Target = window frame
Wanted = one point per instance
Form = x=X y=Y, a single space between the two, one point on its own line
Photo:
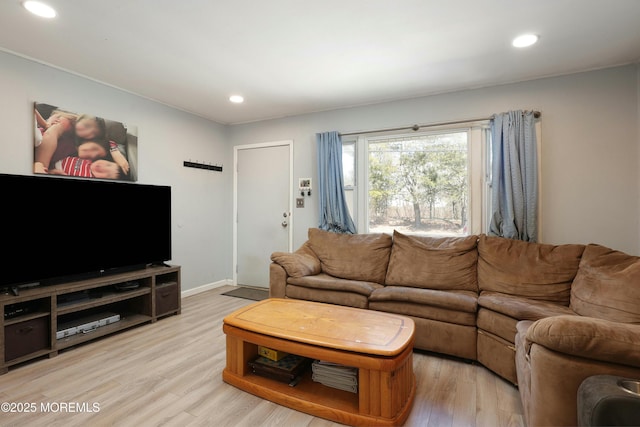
x=478 y=166
x=350 y=191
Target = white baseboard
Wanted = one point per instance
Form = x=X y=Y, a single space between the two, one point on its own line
x=206 y=287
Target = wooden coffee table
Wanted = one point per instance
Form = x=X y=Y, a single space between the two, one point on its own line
x=379 y=344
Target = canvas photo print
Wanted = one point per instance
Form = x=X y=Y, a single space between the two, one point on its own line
x=83 y=145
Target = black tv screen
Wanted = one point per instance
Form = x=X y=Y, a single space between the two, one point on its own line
x=59 y=228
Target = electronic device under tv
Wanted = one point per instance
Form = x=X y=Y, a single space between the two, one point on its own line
x=59 y=229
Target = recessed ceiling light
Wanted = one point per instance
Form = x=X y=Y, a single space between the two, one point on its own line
x=40 y=9
x=236 y=99
x=525 y=40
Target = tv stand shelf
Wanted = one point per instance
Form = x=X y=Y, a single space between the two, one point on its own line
x=105 y=299
x=31 y=320
x=30 y=316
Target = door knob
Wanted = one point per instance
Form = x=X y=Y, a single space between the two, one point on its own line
x=284 y=223
x=284 y=214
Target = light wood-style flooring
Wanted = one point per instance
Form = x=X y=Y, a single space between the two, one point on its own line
x=169 y=374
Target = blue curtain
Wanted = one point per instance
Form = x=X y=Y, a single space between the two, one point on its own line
x=514 y=176
x=334 y=214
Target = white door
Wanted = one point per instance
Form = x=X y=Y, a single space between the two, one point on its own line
x=263 y=185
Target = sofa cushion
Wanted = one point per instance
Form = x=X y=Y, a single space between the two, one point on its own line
x=520 y=308
x=328 y=296
x=434 y=263
x=425 y=312
x=607 y=285
x=498 y=324
x=453 y=300
x=532 y=270
x=352 y=256
x=300 y=263
x=324 y=281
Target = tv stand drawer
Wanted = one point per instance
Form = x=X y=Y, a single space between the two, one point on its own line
x=26 y=337
x=167 y=298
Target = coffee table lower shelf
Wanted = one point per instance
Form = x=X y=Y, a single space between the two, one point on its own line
x=307 y=396
x=385 y=397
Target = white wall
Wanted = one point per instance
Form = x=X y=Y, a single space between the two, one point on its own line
x=590 y=158
x=590 y=153
x=201 y=200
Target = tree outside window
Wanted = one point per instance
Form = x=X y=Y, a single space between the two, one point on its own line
x=419 y=184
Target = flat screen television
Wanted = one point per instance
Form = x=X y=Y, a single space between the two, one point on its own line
x=61 y=228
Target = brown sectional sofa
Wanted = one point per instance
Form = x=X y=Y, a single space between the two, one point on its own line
x=544 y=317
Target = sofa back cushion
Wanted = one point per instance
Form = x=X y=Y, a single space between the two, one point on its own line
x=607 y=285
x=352 y=256
x=433 y=263
x=531 y=270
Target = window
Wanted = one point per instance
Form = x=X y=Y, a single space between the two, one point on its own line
x=427 y=183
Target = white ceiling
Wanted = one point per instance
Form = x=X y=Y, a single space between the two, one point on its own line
x=290 y=57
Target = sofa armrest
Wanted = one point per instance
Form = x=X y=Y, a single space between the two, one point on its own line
x=277 y=281
x=587 y=337
x=300 y=263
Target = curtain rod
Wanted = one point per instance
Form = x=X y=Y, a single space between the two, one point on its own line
x=415 y=128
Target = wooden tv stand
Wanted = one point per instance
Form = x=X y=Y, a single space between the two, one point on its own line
x=31 y=320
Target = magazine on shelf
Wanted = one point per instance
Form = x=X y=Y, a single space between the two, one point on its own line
x=335 y=375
